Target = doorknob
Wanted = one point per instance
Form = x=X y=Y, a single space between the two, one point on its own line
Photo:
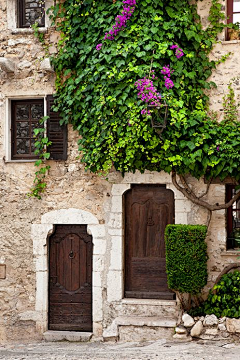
x=71 y=255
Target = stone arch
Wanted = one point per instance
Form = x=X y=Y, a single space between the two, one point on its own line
x=40 y=236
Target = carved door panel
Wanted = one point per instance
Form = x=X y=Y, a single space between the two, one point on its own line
x=148 y=209
x=70 y=279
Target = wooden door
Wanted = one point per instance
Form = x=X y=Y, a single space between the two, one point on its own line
x=148 y=209
x=70 y=279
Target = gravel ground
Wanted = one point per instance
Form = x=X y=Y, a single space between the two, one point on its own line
x=161 y=349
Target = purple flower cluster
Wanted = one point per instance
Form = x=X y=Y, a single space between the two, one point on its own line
x=145 y=112
x=178 y=52
x=147 y=91
x=167 y=72
x=121 y=21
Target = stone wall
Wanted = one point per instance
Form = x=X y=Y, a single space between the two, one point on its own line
x=70 y=187
x=207 y=327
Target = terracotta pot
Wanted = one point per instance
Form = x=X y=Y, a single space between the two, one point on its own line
x=233 y=34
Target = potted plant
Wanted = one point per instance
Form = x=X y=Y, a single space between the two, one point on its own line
x=234 y=32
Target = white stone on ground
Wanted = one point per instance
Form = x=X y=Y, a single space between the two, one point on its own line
x=197 y=329
x=210 y=320
x=187 y=320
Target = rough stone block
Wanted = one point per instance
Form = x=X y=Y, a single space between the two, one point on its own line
x=221 y=327
x=98 y=262
x=116 y=253
x=119 y=189
x=97 y=304
x=115 y=221
x=97 y=279
x=114 y=285
x=180 y=330
x=181 y=218
x=183 y=206
x=117 y=204
x=211 y=331
x=187 y=320
x=97 y=231
x=46 y=65
x=233 y=325
x=99 y=247
x=197 y=329
x=182 y=337
x=210 y=320
x=7 y=65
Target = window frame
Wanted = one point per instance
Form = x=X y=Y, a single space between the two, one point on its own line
x=57 y=135
x=231 y=243
x=21 y=15
x=14 y=155
x=230 y=14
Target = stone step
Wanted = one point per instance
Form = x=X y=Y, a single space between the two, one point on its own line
x=145 y=321
x=72 y=336
x=149 y=307
x=140 y=328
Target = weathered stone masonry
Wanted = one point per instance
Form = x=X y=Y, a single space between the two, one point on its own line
x=74 y=196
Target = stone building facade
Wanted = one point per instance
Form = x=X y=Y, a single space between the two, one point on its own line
x=76 y=197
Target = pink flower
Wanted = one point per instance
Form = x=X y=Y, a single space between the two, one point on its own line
x=98 y=47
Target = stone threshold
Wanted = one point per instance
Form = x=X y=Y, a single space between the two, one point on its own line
x=153 y=302
x=72 y=336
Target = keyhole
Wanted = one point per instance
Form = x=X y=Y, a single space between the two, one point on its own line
x=71 y=254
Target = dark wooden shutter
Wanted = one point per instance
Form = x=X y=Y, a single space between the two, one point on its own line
x=56 y=133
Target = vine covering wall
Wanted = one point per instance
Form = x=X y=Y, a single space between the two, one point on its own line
x=96 y=91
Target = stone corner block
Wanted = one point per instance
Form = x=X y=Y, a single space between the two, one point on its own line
x=120 y=189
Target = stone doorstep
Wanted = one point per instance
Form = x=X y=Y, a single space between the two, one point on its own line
x=149 y=302
x=72 y=336
x=153 y=321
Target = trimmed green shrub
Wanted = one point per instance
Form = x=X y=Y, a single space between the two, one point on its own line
x=186 y=257
x=223 y=298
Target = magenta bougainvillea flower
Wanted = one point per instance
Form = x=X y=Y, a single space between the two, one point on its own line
x=99 y=46
x=121 y=21
x=147 y=92
x=178 y=52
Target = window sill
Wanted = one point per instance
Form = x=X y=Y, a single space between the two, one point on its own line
x=233 y=252
x=20 y=161
x=228 y=42
x=28 y=31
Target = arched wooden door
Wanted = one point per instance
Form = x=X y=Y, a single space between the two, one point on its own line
x=70 y=278
x=148 y=209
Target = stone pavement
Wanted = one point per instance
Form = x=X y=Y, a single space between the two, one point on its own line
x=158 y=350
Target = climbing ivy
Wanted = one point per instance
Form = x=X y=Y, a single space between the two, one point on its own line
x=96 y=89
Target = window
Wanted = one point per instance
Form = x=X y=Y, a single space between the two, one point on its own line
x=233 y=218
x=25 y=116
x=30 y=12
x=233 y=13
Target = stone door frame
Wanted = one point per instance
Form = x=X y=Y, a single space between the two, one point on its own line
x=40 y=236
x=115 y=226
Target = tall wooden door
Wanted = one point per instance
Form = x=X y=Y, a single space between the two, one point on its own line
x=70 y=279
x=148 y=209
